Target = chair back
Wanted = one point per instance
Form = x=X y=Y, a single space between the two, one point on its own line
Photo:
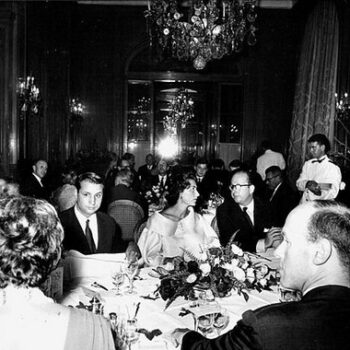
x=138 y=230
x=128 y=215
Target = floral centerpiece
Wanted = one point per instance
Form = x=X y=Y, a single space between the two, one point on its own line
x=156 y=194
x=221 y=271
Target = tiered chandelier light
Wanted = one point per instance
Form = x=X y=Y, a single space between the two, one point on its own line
x=181 y=110
x=28 y=96
x=138 y=119
x=342 y=106
x=77 y=109
x=201 y=30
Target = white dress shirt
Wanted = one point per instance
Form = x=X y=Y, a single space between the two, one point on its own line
x=269 y=158
x=39 y=179
x=324 y=172
x=92 y=224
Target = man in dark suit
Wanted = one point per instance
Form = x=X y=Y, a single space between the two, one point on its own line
x=314 y=260
x=33 y=186
x=86 y=229
x=122 y=190
x=247 y=215
x=282 y=198
x=162 y=178
x=145 y=171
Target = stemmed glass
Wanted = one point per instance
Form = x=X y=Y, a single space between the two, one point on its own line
x=131 y=269
x=129 y=333
x=205 y=324
x=117 y=279
x=221 y=320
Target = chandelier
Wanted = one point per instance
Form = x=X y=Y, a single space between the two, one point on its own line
x=138 y=119
x=342 y=106
x=77 y=109
x=28 y=96
x=180 y=111
x=201 y=30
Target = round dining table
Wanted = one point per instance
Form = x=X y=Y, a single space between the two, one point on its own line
x=152 y=313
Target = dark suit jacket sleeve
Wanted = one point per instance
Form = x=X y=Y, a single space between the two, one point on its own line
x=242 y=337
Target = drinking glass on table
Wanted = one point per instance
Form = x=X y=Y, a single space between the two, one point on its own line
x=118 y=278
x=131 y=269
x=127 y=333
x=221 y=320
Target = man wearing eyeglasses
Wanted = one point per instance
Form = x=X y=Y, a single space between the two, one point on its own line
x=281 y=197
x=246 y=216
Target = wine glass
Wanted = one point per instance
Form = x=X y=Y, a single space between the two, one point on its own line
x=117 y=279
x=221 y=320
x=131 y=269
x=205 y=324
x=130 y=334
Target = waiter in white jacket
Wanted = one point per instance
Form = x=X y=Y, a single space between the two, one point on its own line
x=320 y=178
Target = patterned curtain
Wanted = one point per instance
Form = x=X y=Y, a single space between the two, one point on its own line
x=314 y=99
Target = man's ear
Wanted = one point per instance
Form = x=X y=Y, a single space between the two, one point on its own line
x=33 y=167
x=323 y=251
x=251 y=189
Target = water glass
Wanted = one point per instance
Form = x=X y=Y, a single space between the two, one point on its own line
x=118 y=279
x=128 y=334
x=131 y=269
x=221 y=320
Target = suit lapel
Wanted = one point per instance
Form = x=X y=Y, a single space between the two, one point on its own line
x=77 y=228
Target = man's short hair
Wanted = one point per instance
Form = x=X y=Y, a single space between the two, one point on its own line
x=274 y=169
x=322 y=140
x=235 y=163
x=202 y=161
x=332 y=222
x=90 y=177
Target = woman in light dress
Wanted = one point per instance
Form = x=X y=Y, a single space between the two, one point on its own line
x=30 y=247
x=178 y=228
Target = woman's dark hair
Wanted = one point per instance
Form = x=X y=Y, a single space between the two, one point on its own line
x=178 y=185
x=30 y=241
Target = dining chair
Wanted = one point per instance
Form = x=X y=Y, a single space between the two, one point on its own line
x=128 y=215
x=138 y=230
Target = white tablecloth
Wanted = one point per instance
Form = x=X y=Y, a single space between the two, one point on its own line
x=152 y=314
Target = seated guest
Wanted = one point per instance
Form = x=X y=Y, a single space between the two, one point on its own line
x=314 y=260
x=33 y=185
x=178 y=226
x=30 y=248
x=122 y=190
x=206 y=184
x=246 y=215
x=161 y=179
x=65 y=196
x=88 y=230
x=131 y=159
x=282 y=198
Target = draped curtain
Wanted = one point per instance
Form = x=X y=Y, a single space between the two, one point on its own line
x=314 y=100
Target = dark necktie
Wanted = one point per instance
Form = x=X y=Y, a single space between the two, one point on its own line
x=247 y=217
x=89 y=237
x=162 y=181
x=199 y=179
x=318 y=160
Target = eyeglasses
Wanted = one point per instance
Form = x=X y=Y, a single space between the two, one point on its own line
x=238 y=186
x=270 y=178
